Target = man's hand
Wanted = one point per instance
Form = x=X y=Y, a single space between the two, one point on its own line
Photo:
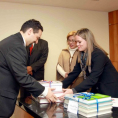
x=30 y=73
x=66 y=91
x=29 y=70
x=50 y=96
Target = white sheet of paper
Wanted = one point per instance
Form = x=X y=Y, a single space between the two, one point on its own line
x=115 y=102
x=72 y=106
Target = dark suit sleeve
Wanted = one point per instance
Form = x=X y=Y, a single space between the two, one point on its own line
x=17 y=61
x=39 y=63
x=72 y=76
x=98 y=62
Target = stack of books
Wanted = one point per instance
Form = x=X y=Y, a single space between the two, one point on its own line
x=90 y=105
x=52 y=84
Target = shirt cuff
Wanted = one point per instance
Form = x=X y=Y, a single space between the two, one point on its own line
x=61 y=71
x=45 y=92
x=74 y=91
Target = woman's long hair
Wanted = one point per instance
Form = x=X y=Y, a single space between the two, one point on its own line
x=87 y=35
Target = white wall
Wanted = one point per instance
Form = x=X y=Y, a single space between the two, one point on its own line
x=57 y=22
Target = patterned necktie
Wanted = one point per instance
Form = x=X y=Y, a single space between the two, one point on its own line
x=31 y=49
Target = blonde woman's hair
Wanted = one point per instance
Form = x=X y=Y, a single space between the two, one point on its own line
x=72 y=33
x=87 y=35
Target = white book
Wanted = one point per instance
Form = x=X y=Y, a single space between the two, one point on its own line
x=72 y=115
x=95 y=113
x=42 y=99
x=95 y=109
x=106 y=103
x=52 y=84
x=90 y=110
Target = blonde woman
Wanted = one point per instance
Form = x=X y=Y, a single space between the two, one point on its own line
x=99 y=73
x=67 y=60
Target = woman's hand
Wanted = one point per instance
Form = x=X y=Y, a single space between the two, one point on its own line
x=66 y=91
x=66 y=75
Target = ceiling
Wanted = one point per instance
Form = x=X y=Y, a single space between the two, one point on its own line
x=96 y=5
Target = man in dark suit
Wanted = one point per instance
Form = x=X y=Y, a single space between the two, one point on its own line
x=13 y=68
x=37 y=58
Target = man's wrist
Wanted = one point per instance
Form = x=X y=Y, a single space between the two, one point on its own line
x=74 y=91
x=45 y=92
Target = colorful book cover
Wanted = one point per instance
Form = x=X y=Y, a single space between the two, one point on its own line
x=94 y=97
x=88 y=98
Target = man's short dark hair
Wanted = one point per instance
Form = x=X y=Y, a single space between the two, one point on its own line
x=34 y=24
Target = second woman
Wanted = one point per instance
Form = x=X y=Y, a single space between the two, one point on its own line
x=67 y=60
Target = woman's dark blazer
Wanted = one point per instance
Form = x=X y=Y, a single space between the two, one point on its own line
x=13 y=74
x=102 y=79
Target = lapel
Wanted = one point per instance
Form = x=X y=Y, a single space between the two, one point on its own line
x=22 y=42
x=34 y=48
x=35 y=52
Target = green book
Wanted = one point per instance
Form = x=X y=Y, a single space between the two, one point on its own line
x=88 y=100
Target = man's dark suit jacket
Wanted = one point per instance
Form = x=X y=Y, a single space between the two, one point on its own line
x=38 y=58
x=13 y=74
x=103 y=77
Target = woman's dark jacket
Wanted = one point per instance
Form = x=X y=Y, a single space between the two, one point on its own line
x=102 y=79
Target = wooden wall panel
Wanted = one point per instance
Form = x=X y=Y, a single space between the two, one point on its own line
x=115 y=65
x=113 y=17
x=113 y=42
x=113 y=37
